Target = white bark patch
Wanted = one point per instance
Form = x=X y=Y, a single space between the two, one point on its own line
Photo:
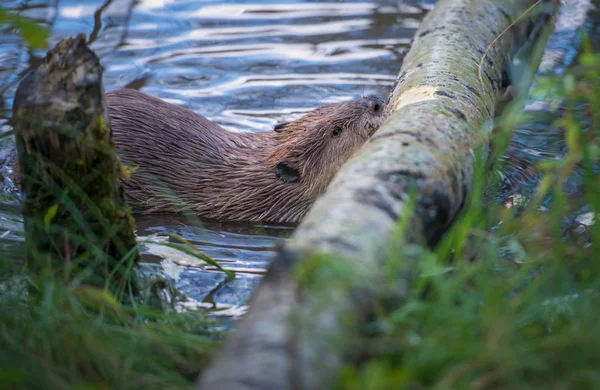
x=415 y=94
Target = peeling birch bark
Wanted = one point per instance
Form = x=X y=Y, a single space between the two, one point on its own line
x=297 y=332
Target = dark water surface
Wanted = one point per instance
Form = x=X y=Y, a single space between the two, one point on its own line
x=247 y=66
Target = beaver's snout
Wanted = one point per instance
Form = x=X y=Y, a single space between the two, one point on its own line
x=376 y=105
x=376 y=110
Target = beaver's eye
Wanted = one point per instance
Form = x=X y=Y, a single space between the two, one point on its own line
x=336 y=131
x=376 y=107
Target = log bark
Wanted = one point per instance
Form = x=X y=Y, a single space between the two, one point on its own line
x=77 y=222
x=306 y=315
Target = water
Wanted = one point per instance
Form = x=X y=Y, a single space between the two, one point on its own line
x=247 y=66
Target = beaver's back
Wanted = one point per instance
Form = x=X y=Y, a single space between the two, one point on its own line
x=146 y=126
x=163 y=141
x=180 y=156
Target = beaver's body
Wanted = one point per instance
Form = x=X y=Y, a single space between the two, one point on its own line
x=186 y=161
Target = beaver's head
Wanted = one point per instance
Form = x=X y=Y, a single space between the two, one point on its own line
x=312 y=149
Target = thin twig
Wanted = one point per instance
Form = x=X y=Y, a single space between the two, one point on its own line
x=480 y=66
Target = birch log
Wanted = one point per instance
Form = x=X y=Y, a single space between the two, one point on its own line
x=77 y=222
x=297 y=332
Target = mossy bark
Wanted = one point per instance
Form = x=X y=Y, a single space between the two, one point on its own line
x=330 y=277
x=77 y=222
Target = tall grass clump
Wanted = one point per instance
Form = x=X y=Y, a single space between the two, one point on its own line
x=84 y=338
x=510 y=299
x=59 y=332
x=69 y=317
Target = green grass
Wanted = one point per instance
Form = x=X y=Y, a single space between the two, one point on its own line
x=510 y=299
x=83 y=337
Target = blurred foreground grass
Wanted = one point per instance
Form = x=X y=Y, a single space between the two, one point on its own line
x=57 y=332
x=509 y=299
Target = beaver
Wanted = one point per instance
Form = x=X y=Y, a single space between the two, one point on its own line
x=186 y=162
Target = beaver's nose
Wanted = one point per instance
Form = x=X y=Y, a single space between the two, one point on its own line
x=375 y=103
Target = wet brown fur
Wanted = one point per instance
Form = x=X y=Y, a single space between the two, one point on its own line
x=187 y=162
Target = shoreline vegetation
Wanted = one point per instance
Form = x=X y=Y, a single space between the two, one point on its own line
x=404 y=187
x=508 y=299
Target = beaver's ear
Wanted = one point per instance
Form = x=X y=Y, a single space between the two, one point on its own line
x=280 y=127
x=287 y=172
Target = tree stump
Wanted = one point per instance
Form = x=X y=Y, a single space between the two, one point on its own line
x=77 y=221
